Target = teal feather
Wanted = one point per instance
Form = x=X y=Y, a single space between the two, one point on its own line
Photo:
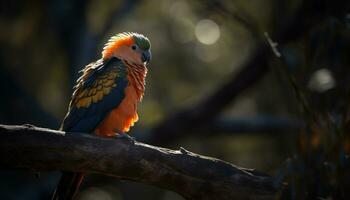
x=141 y=41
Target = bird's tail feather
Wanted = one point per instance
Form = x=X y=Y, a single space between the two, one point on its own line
x=68 y=186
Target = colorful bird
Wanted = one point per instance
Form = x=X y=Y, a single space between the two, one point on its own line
x=105 y=98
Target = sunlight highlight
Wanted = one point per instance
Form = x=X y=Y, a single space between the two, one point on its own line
x=207 y=32
x=321 y=80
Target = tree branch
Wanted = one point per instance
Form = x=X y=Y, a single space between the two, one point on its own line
x=191 y=175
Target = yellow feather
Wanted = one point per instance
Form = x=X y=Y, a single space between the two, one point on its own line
x=78 y=105
x=88 y=101
x=90 y=92
x=100 y=81
x=115 y=74
x=108 y=83
x=106 y=90
x=95 y=98
x=81 y=103
x=99 y=95
x=85 y=102
x=81 y=94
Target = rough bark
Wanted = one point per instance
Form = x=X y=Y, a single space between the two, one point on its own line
x=191 y=175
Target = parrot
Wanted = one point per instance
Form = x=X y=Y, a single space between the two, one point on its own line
x=105 y=98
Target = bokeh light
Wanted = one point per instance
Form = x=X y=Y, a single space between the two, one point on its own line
x=321 y=80
x=207 y=31
x=210 y=59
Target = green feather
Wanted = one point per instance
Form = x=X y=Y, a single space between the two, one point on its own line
x=142 y=41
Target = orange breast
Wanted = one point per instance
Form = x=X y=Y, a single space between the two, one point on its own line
x=121 y=118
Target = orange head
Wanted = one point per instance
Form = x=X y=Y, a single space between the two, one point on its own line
x=132 y=47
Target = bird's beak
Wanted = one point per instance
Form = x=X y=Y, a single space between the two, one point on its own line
x=146 y=56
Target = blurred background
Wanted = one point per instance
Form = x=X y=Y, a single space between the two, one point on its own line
x=263 y=84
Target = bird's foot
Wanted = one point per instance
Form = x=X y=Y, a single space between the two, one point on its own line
x=123 y=135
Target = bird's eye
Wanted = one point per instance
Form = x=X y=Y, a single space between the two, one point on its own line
x=133 y=47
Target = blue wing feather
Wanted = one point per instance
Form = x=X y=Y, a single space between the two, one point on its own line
x=86 y=119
